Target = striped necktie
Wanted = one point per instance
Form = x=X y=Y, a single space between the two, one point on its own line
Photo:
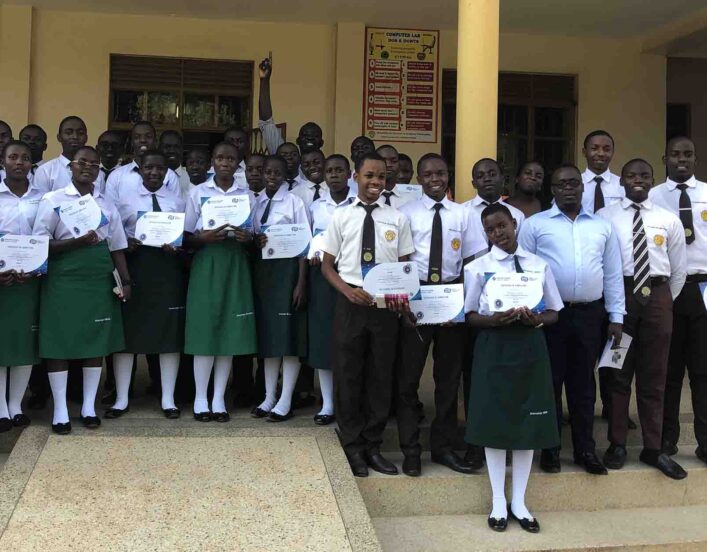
x=641 y=260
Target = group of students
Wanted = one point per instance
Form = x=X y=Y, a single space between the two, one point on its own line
x=614 y=254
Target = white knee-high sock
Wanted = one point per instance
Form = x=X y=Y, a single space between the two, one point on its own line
x=19 y=378
x=290 y=371
x=272 y=371
x=522 y=461
x=91 y=379
x=326 y=386
x=222 y=369
x=169 y=366
x=202 y=373
x=496 y=462
x=3 y=393
x=57 y=382
x=123 y=370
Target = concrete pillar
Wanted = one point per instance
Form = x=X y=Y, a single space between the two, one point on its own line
x=15 y=58
x=348 y=103
x=477 y=88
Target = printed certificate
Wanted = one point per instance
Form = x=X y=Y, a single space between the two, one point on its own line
x=26 y=254
x=157 y=228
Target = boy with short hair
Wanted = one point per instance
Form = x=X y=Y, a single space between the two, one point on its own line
x=314 y=187
x=404 y=168
x=111 y=148
x=601 y=186
x=36 y=138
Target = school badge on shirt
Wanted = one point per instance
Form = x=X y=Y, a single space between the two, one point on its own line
x=658 y=240
x=703 y=214
x=456 y=244
x=390 y=235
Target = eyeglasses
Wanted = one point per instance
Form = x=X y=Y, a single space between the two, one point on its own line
x=85 y=165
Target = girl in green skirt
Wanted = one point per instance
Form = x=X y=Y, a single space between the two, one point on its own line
x=153 y=320
x=511 y=406
x=280 y=295
x=79 y=313
x=19 y=292
x=220 y=314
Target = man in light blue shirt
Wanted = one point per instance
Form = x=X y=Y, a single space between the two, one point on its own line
x=584 y=256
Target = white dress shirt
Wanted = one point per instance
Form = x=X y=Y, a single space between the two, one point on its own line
x=397 y=198
x=668 y=196
x=584 y=256
x=49 y=224
x=17 y=214
x=134 y=198
x=199 y=194
x=457 y=239
x=306 y=190
x=497 y=260
x=285 y=208
x=321 y=211
x=345 y=234
x=184 y=180
x=664 y=236
x=474 y=207
x=128 y=175
x=55 y=174
x=611 y=188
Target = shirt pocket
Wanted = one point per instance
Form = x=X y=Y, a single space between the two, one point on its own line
x=657 y=236
x=699 y=210
x=387 y=236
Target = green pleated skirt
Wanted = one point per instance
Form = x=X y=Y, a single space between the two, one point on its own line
x=153 y=319
x=19 y=323
x=320 y=319
x=80 y=315
x=282 y=329
x=220 y=312
x=512 y=404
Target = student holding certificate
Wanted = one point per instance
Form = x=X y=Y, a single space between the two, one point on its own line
x=220 y=320
x=19 y=292
x=512 y=406
x=80 y=314
x=280 y=294
x=153 y=320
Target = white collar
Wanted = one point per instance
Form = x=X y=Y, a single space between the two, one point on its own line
x=211 y=183
x=626 y=203
x=500 y=255
x=588 y=175
x=71 y=190
x=477 y=201
x=429 y=203
x=691 y=183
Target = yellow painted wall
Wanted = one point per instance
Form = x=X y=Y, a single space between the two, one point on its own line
x=15 y=62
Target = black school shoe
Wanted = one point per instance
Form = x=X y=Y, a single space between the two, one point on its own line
x=529 y=525
x=615 y=457
x=114 y=413
x=171 y=413
x=590 y=462
x=663 y=462
x=202 y=416
x=550 y=461
x=21 y=420
x=498 y=524
x=258 y=412
x=90 y=422
x=221 y=417
x=324 y=419
x=275 y=417
x=62 y=429
x=5 y=425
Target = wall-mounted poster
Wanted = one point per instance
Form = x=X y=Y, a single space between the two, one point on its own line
x=400 y=85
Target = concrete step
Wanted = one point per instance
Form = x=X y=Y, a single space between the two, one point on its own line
x=440 y=491
x=677 y=529
x=687 y=434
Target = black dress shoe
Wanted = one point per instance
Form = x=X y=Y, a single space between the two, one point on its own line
x=474 y=457
x=615 y=457
x=632 y=424
x=324 y=419
x=202 y=416
x=550 y=461
x=498 y=524
x=412 y=466
x=90 y=422
x=37 y=402
x=358 y=464
x=529 y=525
x=701 y=454
x=590 y=462
x=275 y=417
x=113 y=413
x=258 y=412
x=671 y=449
x=171 y=413
x=62 y=429
x=664 y=463
x=21 y=420
x=378 y=463
x=221 y=417
x=453 y=462
x=5 y=425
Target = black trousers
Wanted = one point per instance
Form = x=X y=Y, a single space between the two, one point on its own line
x=573 y=344
x=688 y=350
x=448 y=354
x=365 y=339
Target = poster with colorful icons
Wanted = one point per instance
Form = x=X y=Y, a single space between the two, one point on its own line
x=401 y=85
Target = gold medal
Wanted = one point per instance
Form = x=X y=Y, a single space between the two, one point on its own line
x=368 y=256
x=390 y=235
x=434 y=278
x=688 y=232
x=645 y=291
x=658 y=240
x=456 y=244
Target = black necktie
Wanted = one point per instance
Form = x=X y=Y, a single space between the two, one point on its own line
x=434 y=273
x=316 y=192
x=34 y=167
x=641 y=261
x=266 y=213
x=516 y=262
x=387 y=195
x=368 y=236
x=155 y=204
x=598 y=194
x=290 y=184
x=686 y=214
